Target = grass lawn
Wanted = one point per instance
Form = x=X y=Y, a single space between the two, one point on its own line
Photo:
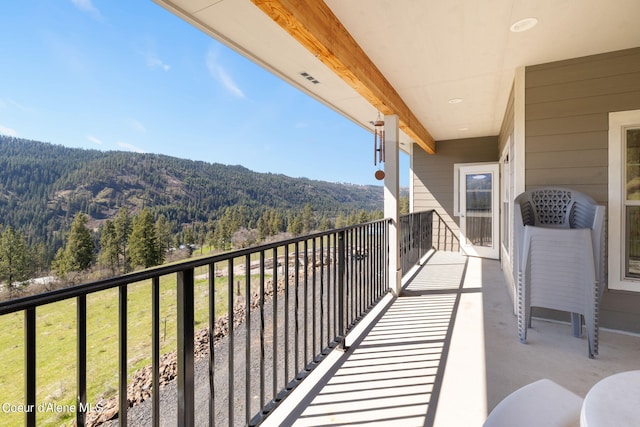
x=56 y=344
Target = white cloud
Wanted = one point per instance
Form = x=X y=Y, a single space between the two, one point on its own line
x=154 y=62
x=219 y=74
x=130 y=147
x=94 y=140
x=8 y=131
x=87 y=6
x=136 y=125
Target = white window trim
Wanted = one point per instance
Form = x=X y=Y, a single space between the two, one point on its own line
x=618 y=121
x=505 y=196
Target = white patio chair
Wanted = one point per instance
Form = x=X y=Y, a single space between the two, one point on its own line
x=559 y=257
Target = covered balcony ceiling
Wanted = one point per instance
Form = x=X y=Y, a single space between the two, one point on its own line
x=445 y=67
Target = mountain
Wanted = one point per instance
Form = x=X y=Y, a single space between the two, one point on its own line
x=43 y=185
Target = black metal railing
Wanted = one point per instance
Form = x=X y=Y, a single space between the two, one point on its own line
x=444 y=238
x=288 y=304
x=416 y=238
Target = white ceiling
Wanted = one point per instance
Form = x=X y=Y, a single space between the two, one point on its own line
x=430 y=51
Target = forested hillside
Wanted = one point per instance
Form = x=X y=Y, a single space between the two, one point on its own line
x=43 y=186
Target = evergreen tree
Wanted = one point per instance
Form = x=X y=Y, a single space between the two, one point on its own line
x=308 y=219
x=404 y=205
x=108 y=256
x=122 y=224
x=296 y=226
x=341 y=221
x=143 y=243
x=163 y=231
x=15 y=257
x=189 y=236
x=78 y=254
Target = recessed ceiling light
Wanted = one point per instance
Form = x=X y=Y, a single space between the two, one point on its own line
x=455 y=101
x=463 y=129
x=524 y=25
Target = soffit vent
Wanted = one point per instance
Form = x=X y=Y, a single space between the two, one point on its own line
x=309 y=77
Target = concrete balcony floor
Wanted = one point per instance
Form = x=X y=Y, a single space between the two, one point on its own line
x=445 y=353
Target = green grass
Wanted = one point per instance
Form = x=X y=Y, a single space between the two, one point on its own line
x=56 y=344
x=56 y=340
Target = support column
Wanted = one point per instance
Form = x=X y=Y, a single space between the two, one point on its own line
x=392 y=198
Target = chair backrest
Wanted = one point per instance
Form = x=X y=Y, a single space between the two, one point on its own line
x=558 y=207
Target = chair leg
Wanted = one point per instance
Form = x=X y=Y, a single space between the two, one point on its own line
x=576 y=322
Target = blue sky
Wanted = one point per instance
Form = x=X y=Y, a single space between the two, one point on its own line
x=128 y=75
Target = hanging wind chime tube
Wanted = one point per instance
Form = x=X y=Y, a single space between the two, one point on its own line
x=378 y=146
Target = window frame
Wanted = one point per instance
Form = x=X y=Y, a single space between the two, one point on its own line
x=619 y=122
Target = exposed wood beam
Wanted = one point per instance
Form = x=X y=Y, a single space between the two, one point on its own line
x=314 y=25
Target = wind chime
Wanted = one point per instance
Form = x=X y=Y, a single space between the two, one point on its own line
x=378 y=146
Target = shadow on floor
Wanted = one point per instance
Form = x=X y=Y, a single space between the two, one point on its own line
x=393 y=373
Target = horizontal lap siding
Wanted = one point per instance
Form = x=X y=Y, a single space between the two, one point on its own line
x=567 y=107
x=433 y=174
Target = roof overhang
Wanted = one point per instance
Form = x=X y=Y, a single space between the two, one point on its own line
x=412 y=58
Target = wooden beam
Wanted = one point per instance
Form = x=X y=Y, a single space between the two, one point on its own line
x=314 y=25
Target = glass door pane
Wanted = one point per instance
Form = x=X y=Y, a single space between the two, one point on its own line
x=479 y=209
x=478 y=215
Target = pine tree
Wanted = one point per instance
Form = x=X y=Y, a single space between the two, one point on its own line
x=122 y=224
x=15 y=258
x=163 y=231
x=78 y=254
x=108 y=256
x=143 y=243
x=308 y=219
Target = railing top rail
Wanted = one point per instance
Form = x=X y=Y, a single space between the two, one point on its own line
x=417 y=212
x=23 y=303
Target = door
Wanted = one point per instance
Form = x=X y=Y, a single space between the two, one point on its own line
x=479 y=214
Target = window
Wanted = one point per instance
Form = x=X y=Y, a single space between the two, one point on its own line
x=624 y=200
x=632 y=202
x=507 y=189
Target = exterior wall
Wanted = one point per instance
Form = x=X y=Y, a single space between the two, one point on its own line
x=567 y=107
x=506 y=130
x=433 y=174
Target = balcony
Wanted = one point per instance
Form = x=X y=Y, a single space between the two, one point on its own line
x=330 y=346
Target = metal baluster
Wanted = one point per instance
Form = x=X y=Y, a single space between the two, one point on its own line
x=297 y=308
x=122 y=361
x=247 y=322
x=306 y=302
x=231 y=341
x=315 y=307
x=81 y=351
x=30 y=365
x=285 y=377
x=262 y=292
x=275 y=324
x=212 y=321
x=341 y=273
x=155 y=351
x=185 y=335
x=322 y=293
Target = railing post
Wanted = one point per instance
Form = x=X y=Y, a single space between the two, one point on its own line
x=341 y=273
x=155 y=351
x=30 y=365
x=185 y=348
x=122 y=360
x=81 y=350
